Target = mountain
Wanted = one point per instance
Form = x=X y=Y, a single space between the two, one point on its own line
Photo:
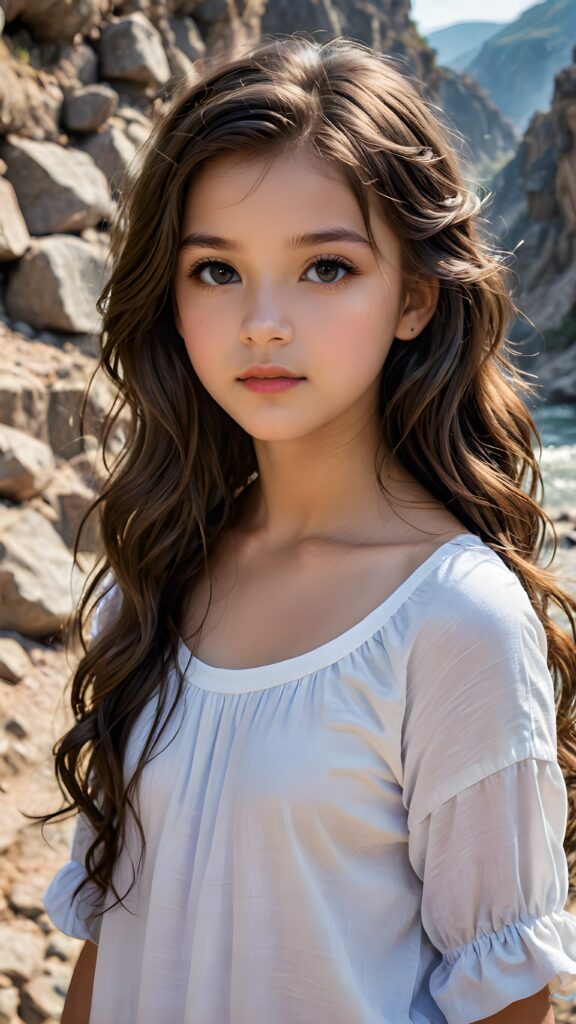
x=457 y=45
x=534 y=213
x=517 y=64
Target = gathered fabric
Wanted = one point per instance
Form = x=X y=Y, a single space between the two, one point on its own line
x=368 y=833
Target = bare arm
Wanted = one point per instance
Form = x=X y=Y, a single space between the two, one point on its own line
x=534 y=1010
x=79 y=997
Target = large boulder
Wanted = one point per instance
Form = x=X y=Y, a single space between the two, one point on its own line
x=131 y=49
x=112 y=151
x=36 y=567
x=30 y=98
x=26 y=464
x=55 y=285
x=58 y=189
x=56 y=20
x=14 y=237
x=89 y=106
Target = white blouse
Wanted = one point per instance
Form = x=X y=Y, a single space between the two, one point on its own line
x=368 y=833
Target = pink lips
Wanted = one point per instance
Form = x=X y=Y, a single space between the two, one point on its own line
x=271 y=385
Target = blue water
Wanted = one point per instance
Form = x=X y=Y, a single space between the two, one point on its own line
x=557 y=427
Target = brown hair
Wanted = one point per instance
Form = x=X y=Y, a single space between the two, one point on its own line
x=449 y=404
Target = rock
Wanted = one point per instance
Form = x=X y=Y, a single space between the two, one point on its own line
x=77 y=65
x=62 y=946
x=58 y=189
x=136 y=95
x=180 y=65
x=24 y=402
x=131 y=49
x=535 y=201
x=26 y=464
x=112 y=151
x=182 y=44
x=71 y=498
x=20 y=951
x=56 y=19
x=14 y=237
x=24 y=899
x=23 y=328
x=16 y=728
x=65 y=427
x=43 y=997
x=9 y=1002
x=43 y=505
x=88 y=107
x=556 y=374
x=64 y=424
x=35 y=575
x=136 y=125
x=65 y=276
x=99 y=241
x=30 y=99
x=187 y=37
x=14 y=662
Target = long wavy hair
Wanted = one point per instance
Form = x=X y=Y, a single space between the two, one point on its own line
x=450 y=404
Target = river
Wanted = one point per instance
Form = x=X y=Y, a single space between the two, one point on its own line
x=557 y=427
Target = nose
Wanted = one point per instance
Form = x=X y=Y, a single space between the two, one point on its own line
x=263 y=319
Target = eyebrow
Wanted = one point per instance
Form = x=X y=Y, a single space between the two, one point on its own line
x=311 y=238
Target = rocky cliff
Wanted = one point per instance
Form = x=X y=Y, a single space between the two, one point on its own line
x=535 y=210
x=78 y=82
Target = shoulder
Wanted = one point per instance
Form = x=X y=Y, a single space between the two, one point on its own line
x=478 y=691
x=473 y=589
x=469 y=604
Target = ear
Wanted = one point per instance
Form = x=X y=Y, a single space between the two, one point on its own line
x=420 y=302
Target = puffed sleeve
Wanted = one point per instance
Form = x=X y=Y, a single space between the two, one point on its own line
x=486 y=799
x=75 y=915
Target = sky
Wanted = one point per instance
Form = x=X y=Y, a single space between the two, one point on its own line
x=431 y=14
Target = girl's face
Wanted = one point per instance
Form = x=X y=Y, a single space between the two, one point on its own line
x=263 y=290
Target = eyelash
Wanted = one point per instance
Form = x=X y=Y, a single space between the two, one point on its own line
x=196 y=268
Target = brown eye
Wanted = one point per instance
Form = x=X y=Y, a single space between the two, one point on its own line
x=212 y=272
x=327 y=269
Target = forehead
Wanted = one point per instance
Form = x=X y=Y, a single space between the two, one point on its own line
x=300 y=180
x=276 y=196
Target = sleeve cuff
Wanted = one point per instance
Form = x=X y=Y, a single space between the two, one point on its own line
x=479 y=979
x=73 y=916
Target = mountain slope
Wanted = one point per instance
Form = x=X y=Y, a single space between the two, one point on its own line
x=457 y=45
x=517 y=65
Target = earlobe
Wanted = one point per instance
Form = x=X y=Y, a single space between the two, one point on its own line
x=419 y=308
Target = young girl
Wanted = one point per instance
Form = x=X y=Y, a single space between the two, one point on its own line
x=315 y=753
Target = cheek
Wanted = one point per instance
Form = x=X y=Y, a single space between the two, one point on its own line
x=205 y=332
x=355 y=338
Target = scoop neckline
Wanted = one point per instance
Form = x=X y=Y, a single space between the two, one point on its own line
x=261 y=677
